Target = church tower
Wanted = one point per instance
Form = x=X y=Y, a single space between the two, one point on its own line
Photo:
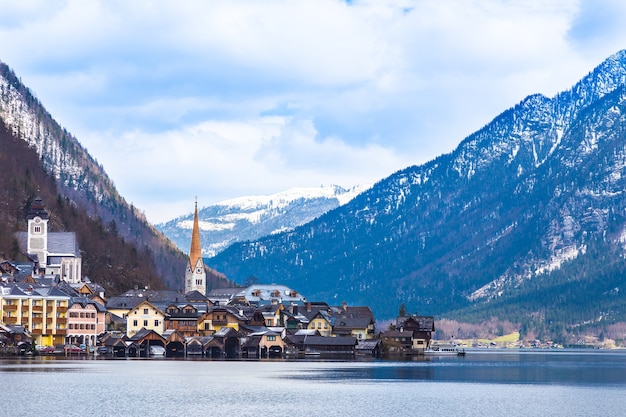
x=195 y=277
x=37 y=240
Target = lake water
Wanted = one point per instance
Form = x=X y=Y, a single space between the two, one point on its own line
x=493 y=383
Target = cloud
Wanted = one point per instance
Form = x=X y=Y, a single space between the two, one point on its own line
x=239 y=97
x=219 y=159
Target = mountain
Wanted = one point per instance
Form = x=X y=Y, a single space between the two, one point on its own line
x=250 y=218
x=46 y=160
x=520 y=220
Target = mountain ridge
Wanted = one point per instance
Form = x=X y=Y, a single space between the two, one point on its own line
x=516 y=199
x=251 y=217
x=82 y=182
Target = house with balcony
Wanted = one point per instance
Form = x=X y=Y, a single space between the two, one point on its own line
x=183 y=318
x=42 y=311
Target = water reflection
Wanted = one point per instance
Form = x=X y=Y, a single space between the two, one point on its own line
x=561 y=368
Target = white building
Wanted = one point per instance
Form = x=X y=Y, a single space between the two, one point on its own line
x=54 y=253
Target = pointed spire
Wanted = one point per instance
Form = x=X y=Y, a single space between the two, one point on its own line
x=196 y=251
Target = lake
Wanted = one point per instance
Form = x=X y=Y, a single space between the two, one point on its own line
x=494 y=383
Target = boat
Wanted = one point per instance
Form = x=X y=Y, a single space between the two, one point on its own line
x=157 y=351
x=449 y=349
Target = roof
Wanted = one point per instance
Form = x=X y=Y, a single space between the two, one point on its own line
x=162 y=298
x=306 y=332
x=224 y=292
x=31 y=290
x=202 y=340
x=258 y=292
x=368 y=344
x=123 y=302
x=154 y=295
x=143 y=333
x=419 y=323
x=84 y=301
x=59 y=243
x=226 y=332
x=196 y=295
x=37 y=209
x=63 y=243
x=195 y=252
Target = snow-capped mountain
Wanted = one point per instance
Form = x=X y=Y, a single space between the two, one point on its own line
x=252 y=217
x=528 y=213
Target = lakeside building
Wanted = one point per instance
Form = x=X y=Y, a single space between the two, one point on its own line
x=49 y=303
x=411 y=335
x=86 y=320
x=43 y=312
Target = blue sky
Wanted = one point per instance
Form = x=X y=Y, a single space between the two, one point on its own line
x=221 y=99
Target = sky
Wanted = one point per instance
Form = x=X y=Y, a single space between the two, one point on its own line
x=223 y=99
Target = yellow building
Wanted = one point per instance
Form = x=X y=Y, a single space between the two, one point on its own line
x=219 y=317
x=42 y=311
x=323 y=323
x=145 y=316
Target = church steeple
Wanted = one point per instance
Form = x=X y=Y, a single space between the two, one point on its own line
x=37 y=241
x=195 y=252
x=195 y=276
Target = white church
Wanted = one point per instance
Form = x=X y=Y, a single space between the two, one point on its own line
x=53 y=253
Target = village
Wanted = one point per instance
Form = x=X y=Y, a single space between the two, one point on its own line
x=48 y=308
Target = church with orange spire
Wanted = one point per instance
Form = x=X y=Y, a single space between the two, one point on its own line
x=195 y=276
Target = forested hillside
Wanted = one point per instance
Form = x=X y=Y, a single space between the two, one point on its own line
x=107 y=258
x=38 y=157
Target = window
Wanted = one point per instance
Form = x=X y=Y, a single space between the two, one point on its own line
x=319 y=325
x=145 y=323
x=37 y=229
x=271 y=338
x=156 y=322
x=134 y=323
x=145 y=311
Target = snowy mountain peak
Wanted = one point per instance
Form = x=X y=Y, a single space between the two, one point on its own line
x=252 y=217
x=285 y=198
